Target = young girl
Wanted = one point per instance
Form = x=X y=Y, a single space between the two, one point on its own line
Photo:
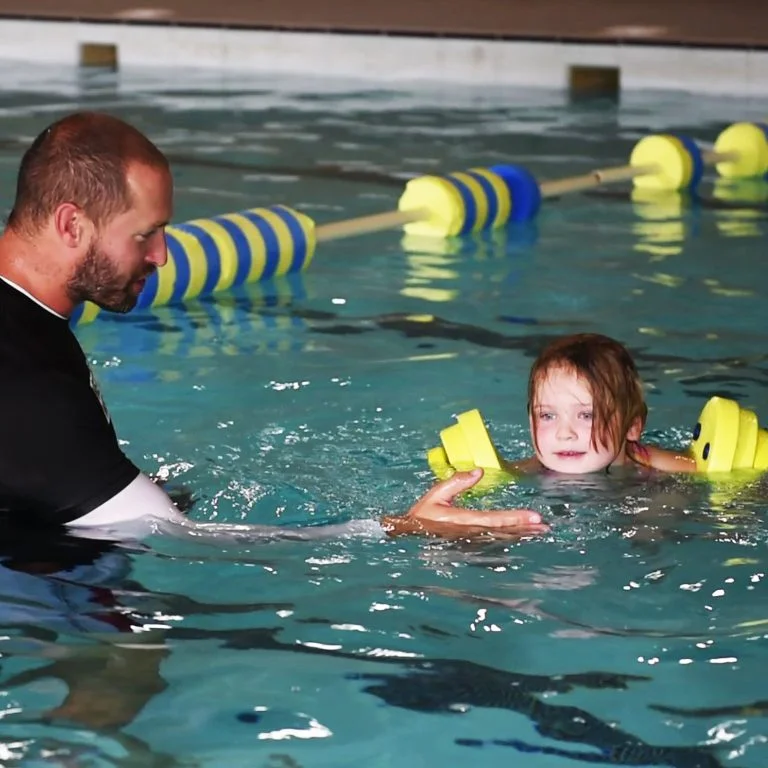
x=587 y=410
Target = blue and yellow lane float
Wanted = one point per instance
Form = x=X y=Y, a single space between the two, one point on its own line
x=728 y=446
x=206 y=256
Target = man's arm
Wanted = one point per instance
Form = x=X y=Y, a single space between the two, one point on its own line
x=434 y=514
x=68 y=468
x=142 y=498
x=60 y=458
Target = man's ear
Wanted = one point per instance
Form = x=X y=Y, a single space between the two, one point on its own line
x=71 y=225
x=635 y=430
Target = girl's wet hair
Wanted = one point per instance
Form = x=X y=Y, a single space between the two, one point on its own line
x=609 y=372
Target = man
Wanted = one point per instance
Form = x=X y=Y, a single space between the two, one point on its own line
x=93 y=198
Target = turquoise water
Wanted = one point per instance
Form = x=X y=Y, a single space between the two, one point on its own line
x=632 y=634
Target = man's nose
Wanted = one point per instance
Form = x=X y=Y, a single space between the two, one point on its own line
x=158 y=253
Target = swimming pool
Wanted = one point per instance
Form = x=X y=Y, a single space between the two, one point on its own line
x=313 y=400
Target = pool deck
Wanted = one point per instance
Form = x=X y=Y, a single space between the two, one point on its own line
x=738 y=23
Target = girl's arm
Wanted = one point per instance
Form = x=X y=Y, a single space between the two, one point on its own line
x=660 y=458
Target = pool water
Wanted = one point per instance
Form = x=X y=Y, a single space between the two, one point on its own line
x=632 y=634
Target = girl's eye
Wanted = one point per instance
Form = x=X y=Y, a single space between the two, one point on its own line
x=586 y=415
x=546 y=415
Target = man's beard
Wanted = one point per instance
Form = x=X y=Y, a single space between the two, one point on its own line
x=96 y=279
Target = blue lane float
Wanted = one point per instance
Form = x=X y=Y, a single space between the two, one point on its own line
x=485 y=198
x=206 y=256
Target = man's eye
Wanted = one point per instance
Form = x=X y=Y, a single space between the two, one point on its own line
x=142 y=236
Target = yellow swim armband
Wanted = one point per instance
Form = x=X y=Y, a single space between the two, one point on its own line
x=466 y=445
x=727 y=437
x=731 y=449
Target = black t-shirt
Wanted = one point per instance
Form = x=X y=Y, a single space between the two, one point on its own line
x=59 y=454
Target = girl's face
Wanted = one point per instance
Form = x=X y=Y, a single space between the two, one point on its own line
x=561 y=426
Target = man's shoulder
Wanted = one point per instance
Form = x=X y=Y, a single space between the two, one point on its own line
x=32 y=338
x=20 y=309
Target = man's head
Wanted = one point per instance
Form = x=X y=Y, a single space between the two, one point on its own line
x=99 y=193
